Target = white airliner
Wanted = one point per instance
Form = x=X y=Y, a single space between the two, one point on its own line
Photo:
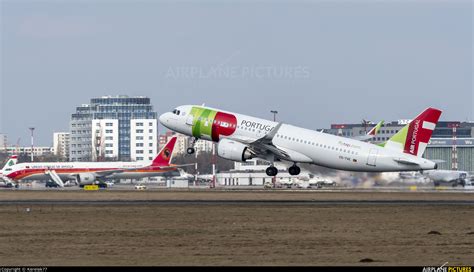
x=90 y=172
x=448 y=177
x=7 y=167
x=242 y=137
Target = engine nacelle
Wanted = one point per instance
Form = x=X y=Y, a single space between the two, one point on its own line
x=86 y=178
x=234 y=151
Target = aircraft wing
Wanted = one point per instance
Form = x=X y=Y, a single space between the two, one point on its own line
x=105 y=173
x=264 y=146
x=173 y=166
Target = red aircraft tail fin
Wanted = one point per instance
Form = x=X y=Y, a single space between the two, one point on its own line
x=166 y=153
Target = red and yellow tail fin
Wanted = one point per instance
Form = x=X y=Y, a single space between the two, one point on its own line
x=414 y=137
x=166 y=153
x=375 y=130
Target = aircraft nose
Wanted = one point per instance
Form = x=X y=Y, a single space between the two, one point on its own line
x=165 y=119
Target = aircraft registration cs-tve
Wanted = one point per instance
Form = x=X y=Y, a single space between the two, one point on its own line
x=90 y=172
x=241 y=137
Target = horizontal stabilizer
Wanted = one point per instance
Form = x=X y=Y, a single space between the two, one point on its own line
x=173 y=166
x=405 y=161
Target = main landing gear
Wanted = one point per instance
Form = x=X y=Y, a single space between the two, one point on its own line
x=271 y=171
x=191 y=149
x=294 y=170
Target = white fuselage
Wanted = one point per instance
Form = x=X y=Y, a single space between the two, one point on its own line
x=446 y=176
x=308 y=146
x=69 y=170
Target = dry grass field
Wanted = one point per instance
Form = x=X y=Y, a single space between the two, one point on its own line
x=235 y=234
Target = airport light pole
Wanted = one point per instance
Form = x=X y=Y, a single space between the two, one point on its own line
x=274 y=114
x=32 y=142
x=214 y=159
x=195 y=168
x=454 y=150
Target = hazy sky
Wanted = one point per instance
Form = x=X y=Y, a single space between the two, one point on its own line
x=316 y=62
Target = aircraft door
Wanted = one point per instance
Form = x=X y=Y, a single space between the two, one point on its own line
x=372 y=159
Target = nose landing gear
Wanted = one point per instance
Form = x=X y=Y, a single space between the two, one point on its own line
x=191 y=149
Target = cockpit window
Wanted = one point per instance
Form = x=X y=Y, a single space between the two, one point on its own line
x=175 y=111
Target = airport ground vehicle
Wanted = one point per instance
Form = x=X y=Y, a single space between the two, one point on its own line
x=140 y=187
x=51 y=184
x=100 y=184
x=268 y=185
x=326 y=182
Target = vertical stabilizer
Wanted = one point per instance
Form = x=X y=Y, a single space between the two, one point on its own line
x=166 y=153
x=414 y=137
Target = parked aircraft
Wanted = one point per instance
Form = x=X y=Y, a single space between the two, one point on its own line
x=241 y=137
x=11 y=161
x=94 y=172
x=371 y=134
x=448 y=177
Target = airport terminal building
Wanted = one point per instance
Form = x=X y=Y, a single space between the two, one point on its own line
x=451 y=142
x=115 y=128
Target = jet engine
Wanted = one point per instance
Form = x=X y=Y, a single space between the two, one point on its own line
x=234 y=151
x=86 y=178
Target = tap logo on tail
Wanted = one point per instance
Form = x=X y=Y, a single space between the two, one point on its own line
x=414 y=137
x=420 y=130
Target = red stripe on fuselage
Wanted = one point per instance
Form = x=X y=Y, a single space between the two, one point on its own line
x=24 y=173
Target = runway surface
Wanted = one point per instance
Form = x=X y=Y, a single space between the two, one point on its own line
x=239 y=202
